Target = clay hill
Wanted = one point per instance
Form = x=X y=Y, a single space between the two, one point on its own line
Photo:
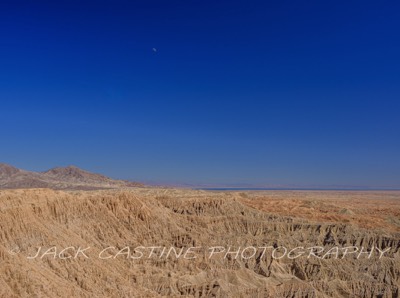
x=119 y=227
x=69 y=177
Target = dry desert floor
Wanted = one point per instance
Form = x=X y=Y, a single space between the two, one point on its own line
x=154 y=242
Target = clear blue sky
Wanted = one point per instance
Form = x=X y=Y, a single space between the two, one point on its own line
x=258 y=92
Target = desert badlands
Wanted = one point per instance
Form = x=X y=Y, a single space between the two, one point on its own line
x=166 y=242
x=249 y=149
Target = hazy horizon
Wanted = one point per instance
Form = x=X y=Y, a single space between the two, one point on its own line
x=231 y=186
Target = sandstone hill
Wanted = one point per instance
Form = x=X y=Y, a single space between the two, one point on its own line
x=69 y=177
x=145 y=217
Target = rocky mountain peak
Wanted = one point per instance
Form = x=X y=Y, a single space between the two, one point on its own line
x=7 y=170
x=70 y=177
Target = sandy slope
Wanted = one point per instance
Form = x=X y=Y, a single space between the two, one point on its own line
x=127 y=220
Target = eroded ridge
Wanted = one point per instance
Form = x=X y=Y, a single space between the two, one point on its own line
x=118 y=228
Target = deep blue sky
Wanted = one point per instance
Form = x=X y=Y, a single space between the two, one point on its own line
x=287 y=93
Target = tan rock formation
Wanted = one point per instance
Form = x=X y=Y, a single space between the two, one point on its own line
x=118 y=225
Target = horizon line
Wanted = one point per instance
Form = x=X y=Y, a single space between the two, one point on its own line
x=293 y=188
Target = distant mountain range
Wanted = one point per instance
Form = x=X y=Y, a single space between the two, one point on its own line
x=69 y=177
